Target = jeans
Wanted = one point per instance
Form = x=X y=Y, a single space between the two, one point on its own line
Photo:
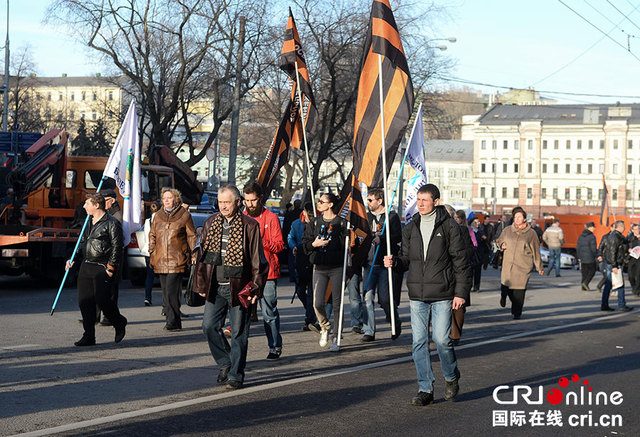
x=355 y=300
x=380 y=280
x=171 y=288
x=305 y=294
x=148 y=281
x=234 y=356
x=270 y=314
x=554 y=260
x=606 y=291
x=440 y=315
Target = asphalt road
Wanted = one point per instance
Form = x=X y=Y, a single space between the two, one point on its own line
x=156 y=383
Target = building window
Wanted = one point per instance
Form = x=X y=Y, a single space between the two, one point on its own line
x=544 y=168
x=94 y=116
x=483 y=168
x=530 y=144
x=494 y=144
x=590 y=168
x=516 y=144
x=73 y=96
x=600 y=193
x=615 y=144
x=529 y=193
x=579 y=168
x=555 y=168
x=482 y=192
x=614 y=194
x=110 y=95
x=49 y=97
x=601 y=168
x=567 y=193
x=516 y=193
x=544 y=144
x=630 y=144
x=544 y=193
x=59 y=118
x=568 y=144
x=630 y=168
x=59 y=97
x=638 y=194
x=504 y=192
x=556 y=144
x=567 y=168
x=505 y=144
x=95 y=96
x=529 y=168
x=589 y=194
x=493 y=168
x=579 y=145
x=590 y=144
x=555 y=194
x=72 y=115
x=627 y=194
x=83 y=96
x=110 y=115
x=614 y=169
x=493 y=192
x=38 y=97
x=504 y=168
x=602 y=144
x=515 y=168
x=483 y=144
x=578 y=193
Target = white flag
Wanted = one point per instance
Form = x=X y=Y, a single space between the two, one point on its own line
x=415 y=156
x=124 y=167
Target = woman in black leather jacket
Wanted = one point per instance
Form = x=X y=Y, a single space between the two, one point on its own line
x=101 y=247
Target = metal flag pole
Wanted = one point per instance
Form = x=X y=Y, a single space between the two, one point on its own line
x=304 y=136
x=73 y=255
x=344 y=284
x=386 y=195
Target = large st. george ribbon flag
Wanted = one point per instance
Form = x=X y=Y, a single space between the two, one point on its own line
x=382 y=39
x=415 y=156
x=124 y=166
x=604 y=210
x=291 y=56
x=353 y=210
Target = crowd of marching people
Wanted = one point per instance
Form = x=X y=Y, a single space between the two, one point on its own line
x=440 y=254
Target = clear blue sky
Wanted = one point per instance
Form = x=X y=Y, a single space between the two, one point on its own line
x=513 y=43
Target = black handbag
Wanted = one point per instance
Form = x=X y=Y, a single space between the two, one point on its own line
x=496 y=262
x=191 y=298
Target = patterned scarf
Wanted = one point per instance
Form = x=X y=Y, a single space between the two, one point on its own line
x=235 y=249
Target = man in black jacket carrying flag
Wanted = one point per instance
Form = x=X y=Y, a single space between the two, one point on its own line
x=438 y=281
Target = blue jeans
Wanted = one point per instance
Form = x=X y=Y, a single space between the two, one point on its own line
x=270 y=314
x=148 y=280
x=355 y=300
x=440 y=315
x=606 y=291
x=380 y=280
x=232 y=356
x=305 y=295
x=554 y=260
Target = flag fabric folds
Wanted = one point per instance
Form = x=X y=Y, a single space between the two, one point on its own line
x=290 y=55
x=382 y=39
x=124 y=167
x=415 y=156
x=604 y=211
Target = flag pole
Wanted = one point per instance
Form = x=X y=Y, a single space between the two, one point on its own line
x=344 y=284
x=304 y=136
x=386 y=195
x=73 y=255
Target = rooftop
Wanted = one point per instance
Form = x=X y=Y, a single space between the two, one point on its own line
x=560 y=114
x=449 y=150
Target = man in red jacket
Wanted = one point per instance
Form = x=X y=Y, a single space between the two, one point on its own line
x=273 y=244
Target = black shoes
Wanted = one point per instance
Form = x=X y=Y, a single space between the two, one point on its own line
x=223 y=376
x=606 y=309
x=625 y=309
x=517 y=316
x=558 y=275
x=423 y=398
x=85 y=341
x=357 y=330
x=367 y=338
x=233 y=385
x=503 y=301
x=106 y=322
x=121 y=331
x=172 y=328
x=451 y=389
x=274 y=353
x=398 y=331
x=147 y=302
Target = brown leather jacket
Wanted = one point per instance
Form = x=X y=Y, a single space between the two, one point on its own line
x=171 y=238
x=255 y=265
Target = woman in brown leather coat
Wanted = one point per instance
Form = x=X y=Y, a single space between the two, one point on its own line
x=172 y=238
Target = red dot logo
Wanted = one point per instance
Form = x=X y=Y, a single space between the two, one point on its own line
x=563 y=382
x=554 y=396
x=575 y=378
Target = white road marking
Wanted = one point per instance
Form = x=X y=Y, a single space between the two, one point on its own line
x=19 y=346
x=285 y=383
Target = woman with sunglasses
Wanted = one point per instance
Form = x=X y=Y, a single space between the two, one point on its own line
x=323 y=242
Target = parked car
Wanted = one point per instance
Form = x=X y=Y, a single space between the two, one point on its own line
x=567 y=261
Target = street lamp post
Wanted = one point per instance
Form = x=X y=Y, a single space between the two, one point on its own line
x=5 y=91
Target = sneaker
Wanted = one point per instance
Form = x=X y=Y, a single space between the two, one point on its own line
x=147 y=302
x=558 y=275
x=274 y=353
x=625 y=309
x=367 y=338
x=423 y=398
x=232 y=384
x=314 y=327
x=334 y=346
x=121 y=331
x=606 y=309
x=227 y=331
x=357 y=330
x=85 y=341
x=451 y=389
x=223 y=375
x=324 y=338
x=305 y=327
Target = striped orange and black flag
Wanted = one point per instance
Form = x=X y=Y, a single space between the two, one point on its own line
x=604 y=211
x=382 y=39
x=278 y=153
x=290 y=55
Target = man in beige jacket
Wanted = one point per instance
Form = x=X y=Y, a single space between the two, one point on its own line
x=553 y=237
